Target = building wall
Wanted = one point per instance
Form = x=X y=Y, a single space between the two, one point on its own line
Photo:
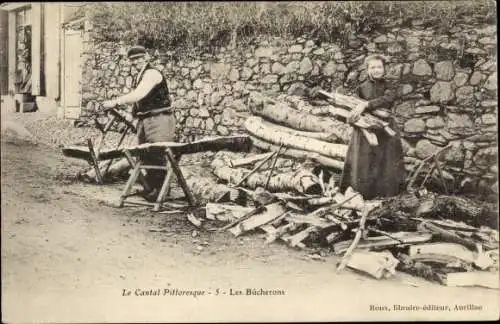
x=46 y=55
x=447 y=84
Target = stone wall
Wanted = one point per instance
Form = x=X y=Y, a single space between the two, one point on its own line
x=447 y=84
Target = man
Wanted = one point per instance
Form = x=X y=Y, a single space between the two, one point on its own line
x=151 y=100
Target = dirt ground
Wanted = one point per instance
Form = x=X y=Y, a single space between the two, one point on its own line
x=69 y=257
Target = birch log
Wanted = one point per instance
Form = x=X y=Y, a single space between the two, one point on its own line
x=257 y=101
x=284 y=114
x=301 y=181
x=117 y=169
x=324 y=136
x=299 y=154
x=281 y=163
x=324 y=107
x=256 y=127
x=248 y=160
x=209 y=191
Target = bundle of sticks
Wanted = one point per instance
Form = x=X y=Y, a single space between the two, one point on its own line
x=368 y=121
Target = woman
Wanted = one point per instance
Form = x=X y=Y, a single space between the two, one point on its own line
x=374 y=171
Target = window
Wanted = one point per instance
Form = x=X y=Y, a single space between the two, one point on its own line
x=23 y=17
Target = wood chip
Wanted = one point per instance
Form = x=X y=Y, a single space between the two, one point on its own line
x=477 y=278
x=194 y=220
x=271 y=212
x=376 y=264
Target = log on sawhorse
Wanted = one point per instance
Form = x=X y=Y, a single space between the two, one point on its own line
x=235 y=143
x=172 y=169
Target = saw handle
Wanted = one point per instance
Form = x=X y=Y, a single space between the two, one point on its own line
x=116 y=115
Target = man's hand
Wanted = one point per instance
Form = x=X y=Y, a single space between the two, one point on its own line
x=109 y=104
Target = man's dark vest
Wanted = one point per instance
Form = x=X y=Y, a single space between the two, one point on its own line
x=157 y=100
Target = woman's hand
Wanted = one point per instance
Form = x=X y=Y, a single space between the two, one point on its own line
x=109 y=104
x=314 y=92
x=356 y=113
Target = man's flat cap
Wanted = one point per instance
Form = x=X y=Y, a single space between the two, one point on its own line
x=136 y=51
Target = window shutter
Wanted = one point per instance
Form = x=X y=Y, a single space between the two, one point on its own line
x=36 y=48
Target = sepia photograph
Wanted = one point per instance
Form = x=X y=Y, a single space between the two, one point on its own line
x=265 y=161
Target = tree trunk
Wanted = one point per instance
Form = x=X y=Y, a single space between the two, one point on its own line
x=118 y=169
x=300 y=181
x=248 y=160
x=337 y=115
x=282 y=113
x=209 y=191
x=238 y=143
x=299 y=154
x=267 y=132
x=324 y=136
x=321 y=108
x=222 y=159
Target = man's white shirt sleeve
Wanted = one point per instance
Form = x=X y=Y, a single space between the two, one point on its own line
x=150 y=79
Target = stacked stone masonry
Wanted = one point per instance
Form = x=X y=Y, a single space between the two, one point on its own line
x=447 y=85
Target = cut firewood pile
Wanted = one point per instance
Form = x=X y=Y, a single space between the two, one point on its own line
x=445 y=239
x=315 y=128
x=282 y=180
x=294 y=198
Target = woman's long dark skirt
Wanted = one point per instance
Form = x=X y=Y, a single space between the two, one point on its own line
x=374 y=171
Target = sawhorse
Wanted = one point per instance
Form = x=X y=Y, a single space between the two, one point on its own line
x=94 y=152
x=172 y=169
